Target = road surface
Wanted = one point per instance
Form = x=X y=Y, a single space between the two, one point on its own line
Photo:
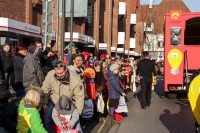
x=163 y=116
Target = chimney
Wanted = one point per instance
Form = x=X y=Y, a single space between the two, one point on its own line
x=150 y=3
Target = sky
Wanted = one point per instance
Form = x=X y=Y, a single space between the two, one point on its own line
x=193 y=5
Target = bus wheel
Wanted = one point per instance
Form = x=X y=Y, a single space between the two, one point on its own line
x=171 y=96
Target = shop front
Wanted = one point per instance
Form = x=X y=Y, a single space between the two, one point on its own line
x=81 y=41
x=15 y=32
x=120 y=52
x=126 y=54
x=113 y=51
x=103 y=48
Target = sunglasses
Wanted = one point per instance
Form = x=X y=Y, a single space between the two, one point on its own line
x=60 y=65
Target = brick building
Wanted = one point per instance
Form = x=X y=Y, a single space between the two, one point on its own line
x=108 y=28
x=116 y=27
x=20 y=21
x=150 y=25
x=110 y=25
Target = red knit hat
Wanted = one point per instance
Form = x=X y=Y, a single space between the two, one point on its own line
x=85 y=54
x=102 y=56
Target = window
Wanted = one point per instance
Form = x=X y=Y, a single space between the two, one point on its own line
x=89 y=14
x=148 y=25
x=191 y=33
x=160 y=44
x=175 y=36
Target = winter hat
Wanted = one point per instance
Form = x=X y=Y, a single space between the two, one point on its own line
x=102 y=56
x=34 y=49
x=114 y=67
x=65 y=106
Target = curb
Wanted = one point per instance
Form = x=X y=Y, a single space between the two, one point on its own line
x=106 y=125
x=103 y=127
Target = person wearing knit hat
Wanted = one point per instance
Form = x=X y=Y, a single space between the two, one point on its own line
x=102 y=56
x=32 y=72
x=114 y=67
x=115 y=91
x=34 y=49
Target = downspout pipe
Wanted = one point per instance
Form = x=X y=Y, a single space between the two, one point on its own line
x=97 y=30
x=109 y=26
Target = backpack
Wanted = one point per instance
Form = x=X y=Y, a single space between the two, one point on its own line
x=195 y=73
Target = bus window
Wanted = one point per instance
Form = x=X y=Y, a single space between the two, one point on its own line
x=175 y=36
x=192 y=31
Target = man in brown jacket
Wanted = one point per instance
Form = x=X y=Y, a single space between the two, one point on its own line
x=58 y=82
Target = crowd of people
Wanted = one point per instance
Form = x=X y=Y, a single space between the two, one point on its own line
x=51 y=93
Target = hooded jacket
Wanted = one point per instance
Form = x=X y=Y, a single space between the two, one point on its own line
x=18 y=71
x=72 y=87
x=115 y=90
x=32 y=72
x=65 y=108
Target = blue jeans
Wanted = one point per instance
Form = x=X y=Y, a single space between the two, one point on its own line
x=49 y=121
x=20 y=92
x=48 y=117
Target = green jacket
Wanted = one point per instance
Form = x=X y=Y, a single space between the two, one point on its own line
x=29 y=120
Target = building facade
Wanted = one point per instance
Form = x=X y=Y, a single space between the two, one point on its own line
x=152 y=18
x=118 y=27
x=110 y=27
x=20 y=21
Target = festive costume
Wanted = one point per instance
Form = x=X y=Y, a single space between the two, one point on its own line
x=89 y=75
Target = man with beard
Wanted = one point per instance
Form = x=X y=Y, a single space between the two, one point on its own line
x=58 y=82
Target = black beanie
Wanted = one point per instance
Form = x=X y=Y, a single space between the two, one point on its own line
x=34 y=49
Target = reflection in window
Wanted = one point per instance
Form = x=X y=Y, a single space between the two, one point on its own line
x=175 y=36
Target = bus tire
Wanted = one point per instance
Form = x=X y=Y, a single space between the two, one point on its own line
x=171 y=96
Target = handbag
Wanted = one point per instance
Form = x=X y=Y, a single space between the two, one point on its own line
x=100 y=104
x=122 y=107
x=88 y=109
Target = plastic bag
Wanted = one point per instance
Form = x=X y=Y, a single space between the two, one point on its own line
x=122 y=107
x=118 y=116
x=100 y=104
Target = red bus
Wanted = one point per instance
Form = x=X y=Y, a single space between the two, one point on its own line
x=181 y=50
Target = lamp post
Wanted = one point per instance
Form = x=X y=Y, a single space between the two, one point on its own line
x=71 y=25
x=63 y=29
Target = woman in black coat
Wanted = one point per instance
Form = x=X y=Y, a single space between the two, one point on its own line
x=99 y=86
x=20 y=53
